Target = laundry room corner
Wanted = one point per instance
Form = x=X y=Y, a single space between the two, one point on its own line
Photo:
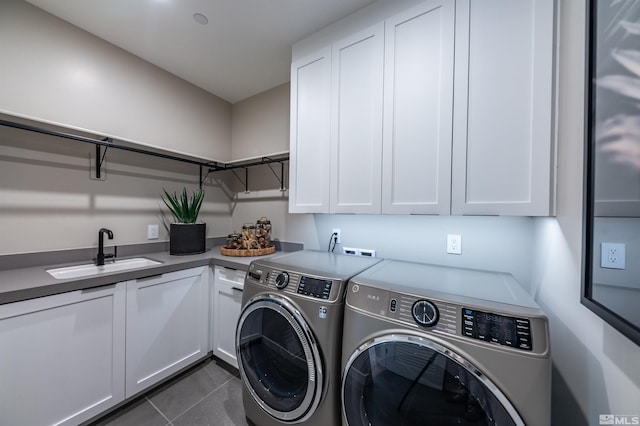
x=596 y=370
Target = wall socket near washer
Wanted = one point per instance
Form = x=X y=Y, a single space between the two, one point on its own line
x=454 y=244
x=359 y=251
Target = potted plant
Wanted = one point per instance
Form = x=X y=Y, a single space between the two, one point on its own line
x=185 y=235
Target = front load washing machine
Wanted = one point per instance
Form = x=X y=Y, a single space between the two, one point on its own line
x=434 y=345
x=289 y=337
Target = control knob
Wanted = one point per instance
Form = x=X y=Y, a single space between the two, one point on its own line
x=425 y=313
x=282 y=280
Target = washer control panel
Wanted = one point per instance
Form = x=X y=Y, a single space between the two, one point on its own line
x=494 y=328
x=315 y=287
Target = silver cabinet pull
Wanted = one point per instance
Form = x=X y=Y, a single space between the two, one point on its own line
x=150 y=277
x=98 y=288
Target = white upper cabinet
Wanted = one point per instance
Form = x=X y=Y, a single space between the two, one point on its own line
x=503 y=158
x=310 y=132
x=356 y=122
x=418 y=107
x=440 y=108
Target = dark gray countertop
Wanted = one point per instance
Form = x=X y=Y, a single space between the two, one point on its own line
x=29 y=283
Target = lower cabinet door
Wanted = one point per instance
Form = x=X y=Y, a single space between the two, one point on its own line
x=62 y=357
x=167 y=325
x=227 y=302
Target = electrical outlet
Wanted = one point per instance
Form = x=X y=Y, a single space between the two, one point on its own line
x=338 y=236
x=152 y=232
x=454 y=244
x=359 y=252
x=612 y=255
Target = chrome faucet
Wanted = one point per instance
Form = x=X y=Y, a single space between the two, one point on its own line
x=101 y=256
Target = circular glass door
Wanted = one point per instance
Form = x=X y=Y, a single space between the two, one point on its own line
x=278 y=359
x=409 y=380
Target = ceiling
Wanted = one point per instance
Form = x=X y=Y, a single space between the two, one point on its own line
x=244 y=49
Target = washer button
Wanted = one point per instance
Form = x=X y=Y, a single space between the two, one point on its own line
x=392 y=305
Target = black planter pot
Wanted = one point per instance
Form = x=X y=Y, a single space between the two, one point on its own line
x=187 y=238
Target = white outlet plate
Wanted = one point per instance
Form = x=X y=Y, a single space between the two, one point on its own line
x=454 y=244
x=152 y=232
x=359 y=251
x=339 y=236
x=612 y=255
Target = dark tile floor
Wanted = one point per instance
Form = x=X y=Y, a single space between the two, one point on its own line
x=209 y=394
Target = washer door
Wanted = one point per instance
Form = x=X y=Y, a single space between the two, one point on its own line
x=409 y=380
x=278 y=358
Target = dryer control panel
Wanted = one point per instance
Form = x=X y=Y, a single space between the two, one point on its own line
x=494 y=328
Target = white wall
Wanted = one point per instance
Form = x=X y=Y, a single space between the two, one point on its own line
x=55 y=72
x=260 y=124
x=49 y=201
x=596 y=369
x=490 y=243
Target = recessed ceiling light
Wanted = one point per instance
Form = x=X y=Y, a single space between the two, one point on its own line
x=200 y=18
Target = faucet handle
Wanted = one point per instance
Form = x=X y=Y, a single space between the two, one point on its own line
x=112 y=255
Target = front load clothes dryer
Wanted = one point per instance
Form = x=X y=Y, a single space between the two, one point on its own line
x=289 y=337
x=435 y=345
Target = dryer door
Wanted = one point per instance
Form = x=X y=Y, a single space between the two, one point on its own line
x=278 y=358
x=410 y=380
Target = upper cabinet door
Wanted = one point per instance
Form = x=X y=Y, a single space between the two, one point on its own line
x=310 y=133
x=418 y=110
x=356 y=122
x=503 y=155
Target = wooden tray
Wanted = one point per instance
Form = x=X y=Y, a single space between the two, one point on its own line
x=247 y=252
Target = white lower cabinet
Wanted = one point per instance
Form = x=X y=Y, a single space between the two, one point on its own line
x=62 y=357
x=67 y=358
x=225 y=310
x=167 y=325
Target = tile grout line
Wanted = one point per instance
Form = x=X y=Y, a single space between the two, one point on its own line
x=202 y=399
x=158 y=410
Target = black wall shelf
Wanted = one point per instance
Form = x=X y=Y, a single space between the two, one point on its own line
x=209 y=166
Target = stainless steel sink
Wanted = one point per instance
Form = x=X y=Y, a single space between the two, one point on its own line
x=89 y=269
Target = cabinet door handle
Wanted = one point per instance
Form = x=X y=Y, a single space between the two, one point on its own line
x=150 y=277
x=237 y=288
x=98 y=288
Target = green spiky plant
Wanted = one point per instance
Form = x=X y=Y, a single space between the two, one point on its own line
x=185 y=209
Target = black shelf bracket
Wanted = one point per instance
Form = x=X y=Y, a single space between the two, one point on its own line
x=244 y=182
x=100 y=156
x=251 y=163
x=281 y=178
